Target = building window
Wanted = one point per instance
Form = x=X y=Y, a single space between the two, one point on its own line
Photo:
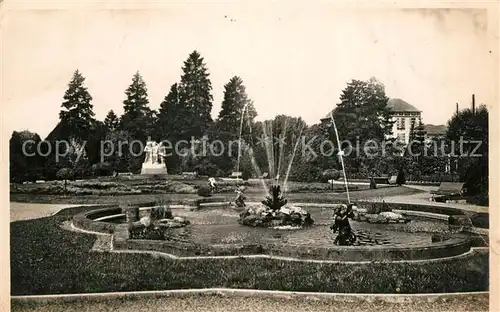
x=401 y=123
x=413 y=121
x=402 y=137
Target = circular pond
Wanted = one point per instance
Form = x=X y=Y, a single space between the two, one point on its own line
x=214 y=231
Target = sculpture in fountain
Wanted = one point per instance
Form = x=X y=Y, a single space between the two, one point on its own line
x=274 y=212
x=341 y=225
x=275 y=201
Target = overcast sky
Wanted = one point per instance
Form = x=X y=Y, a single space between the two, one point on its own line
x=293 y=60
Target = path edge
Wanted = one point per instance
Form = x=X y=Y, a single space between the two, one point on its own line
x=230 y=292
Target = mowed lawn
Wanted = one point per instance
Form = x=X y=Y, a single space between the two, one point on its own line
x=235 y=303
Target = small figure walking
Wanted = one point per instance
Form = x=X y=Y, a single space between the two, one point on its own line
x=212 y=184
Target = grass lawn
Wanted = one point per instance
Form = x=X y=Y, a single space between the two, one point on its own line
x=46 y=259
x=324 y=197
x=222 y=303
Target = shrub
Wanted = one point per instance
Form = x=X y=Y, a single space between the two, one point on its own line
x=65 y=174
x=181 y=188
x=207 y=169
x=400 y=179
x=204 y=191
x=102 y=169
x=246 y=174
x=376 y=207
x=481 y=199
x=161 y=212
x=330 y=174
x=305 y=172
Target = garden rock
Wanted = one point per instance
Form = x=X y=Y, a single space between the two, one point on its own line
x=262 y=216
x=383 y=217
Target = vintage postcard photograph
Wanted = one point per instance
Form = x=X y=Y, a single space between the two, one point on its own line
x=239 y=156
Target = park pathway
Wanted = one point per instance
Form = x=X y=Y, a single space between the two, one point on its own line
x=28 y=211
x=423 y=199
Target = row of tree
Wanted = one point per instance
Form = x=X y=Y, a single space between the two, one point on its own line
x=265 y=146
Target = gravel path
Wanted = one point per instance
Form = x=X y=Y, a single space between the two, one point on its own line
x=251 y=304
x=28 y=211
x=423 y=198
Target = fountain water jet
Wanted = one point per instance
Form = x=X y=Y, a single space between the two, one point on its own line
x=341 y=157
x=291 y=160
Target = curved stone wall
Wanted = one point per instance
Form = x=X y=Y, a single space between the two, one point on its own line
x=452 y=247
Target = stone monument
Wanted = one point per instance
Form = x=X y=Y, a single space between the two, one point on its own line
x=154 y=161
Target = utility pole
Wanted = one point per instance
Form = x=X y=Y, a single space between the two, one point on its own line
x=473 y=103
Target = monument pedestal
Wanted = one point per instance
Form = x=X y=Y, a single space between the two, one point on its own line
x=156 y=169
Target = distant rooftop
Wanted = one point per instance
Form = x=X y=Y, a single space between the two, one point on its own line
x=395 y=105
x=398 y=105
x=434 y=130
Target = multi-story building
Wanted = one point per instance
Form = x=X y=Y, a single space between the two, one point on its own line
x=404 y=115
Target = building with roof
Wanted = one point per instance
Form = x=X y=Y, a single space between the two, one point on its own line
x=404 y=115
x=434 y=132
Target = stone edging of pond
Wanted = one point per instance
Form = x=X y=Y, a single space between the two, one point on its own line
x=120 y=241
x=187 y=250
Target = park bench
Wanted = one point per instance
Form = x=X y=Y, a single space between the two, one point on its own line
x=126 y=174
x=448 y=190
x=118 y=175
x=381 y=180
x=235 y=174
x=190 y=174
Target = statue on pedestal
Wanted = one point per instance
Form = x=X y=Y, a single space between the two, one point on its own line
x=153 y=160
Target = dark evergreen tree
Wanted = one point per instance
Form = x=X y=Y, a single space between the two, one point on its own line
x=120 y=158
x=138 y=118
x=416 y=158
x=471 y=127
x=26 y=164
x=420 y=132
x=168 y=120
x=412 y=132
x=237 y=113
x=77 y=112
x=235 y=105
x=168 y=123
x=111 y=122
x=78 y=132
x=195 y=98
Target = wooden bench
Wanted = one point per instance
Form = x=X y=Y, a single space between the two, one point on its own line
x=189 y=174
x=124 y=174
x=235 y=174
x=381 y=180
x=448 y=190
